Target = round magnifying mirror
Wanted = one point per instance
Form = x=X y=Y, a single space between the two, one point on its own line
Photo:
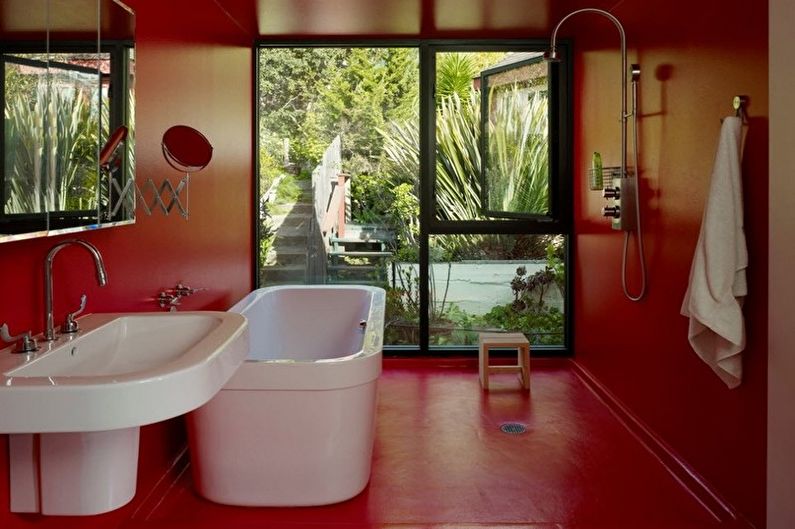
x=186 y=149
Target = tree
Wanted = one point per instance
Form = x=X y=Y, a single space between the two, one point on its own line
x=374 y=86
x=289 y=81
x=310 y=95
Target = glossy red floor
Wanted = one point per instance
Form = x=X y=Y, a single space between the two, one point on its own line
x=441 y=461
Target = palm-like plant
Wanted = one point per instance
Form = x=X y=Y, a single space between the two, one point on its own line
x=458 y=158
x=517 y=164
x=518 y=168
x=59 y=173
x=24 y=148
x=72 y=154
x=454 y=74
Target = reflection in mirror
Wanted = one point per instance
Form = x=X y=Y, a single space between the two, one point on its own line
x=62 y=94
x=74 y=128
x=24 y=94
x=119 y=193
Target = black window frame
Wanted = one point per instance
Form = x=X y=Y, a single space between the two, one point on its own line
x=559 y=222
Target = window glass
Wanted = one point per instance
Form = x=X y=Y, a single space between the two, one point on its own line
x=494 y=283
x=492 y=130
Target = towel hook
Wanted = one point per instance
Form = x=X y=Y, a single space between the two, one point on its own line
x=739 y=103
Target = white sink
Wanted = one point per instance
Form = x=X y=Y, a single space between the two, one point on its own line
x=121 y=370
x=75 y=407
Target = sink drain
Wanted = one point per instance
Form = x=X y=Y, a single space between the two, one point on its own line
x=513 y=428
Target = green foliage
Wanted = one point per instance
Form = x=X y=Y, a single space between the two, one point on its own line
x=458 y=72
x=529 y=312
x=270 y=160
x=267 y=234
x=25 y=176
x=372 y=88
x=401 y=156
x=288 y=191
x=458 y=158
x=543 y=325
x=404 y=213
x=517 y=168
x=454 y=74
x=370 y=198
x=55 y=175
x=18 y=84
x=309 y=95
x=518 y=151
x=288 y=91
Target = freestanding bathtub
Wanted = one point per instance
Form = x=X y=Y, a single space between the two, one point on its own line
x=295 y=424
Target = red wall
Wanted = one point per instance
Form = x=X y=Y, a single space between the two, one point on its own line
x=194 y=67
x=693 y=62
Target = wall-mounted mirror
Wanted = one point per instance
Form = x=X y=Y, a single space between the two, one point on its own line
x=68 y=79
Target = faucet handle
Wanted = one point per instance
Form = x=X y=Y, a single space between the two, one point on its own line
x=27 y=343
x=166 y=300
x=184 y=290
x=70 y=325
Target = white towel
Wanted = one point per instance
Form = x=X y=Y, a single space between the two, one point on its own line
x=717 y=285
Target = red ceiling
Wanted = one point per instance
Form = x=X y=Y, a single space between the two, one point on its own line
x=274 y=18
x=26 y=19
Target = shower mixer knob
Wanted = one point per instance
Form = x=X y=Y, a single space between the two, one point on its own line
x=611 y=211
x=611 y=192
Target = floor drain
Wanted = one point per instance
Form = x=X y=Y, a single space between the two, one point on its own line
x=513 y=428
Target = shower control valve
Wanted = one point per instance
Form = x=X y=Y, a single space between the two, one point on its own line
x=611 y=211
x=611 y=192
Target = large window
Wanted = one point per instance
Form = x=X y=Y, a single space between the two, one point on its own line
x=435 y=170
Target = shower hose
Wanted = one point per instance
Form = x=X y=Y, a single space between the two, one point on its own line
x=642 y=292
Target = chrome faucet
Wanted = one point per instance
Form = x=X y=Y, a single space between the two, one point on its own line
x=102 y=279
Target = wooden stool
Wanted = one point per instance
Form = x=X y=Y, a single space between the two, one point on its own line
x=494 y=340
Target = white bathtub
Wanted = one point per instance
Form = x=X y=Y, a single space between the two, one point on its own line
x=295 y=424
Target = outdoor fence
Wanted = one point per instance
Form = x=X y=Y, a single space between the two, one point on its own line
x=324 y=180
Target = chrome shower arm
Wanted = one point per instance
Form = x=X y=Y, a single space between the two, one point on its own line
x=552 y=55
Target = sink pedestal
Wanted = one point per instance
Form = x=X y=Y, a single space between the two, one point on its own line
x=79 y=473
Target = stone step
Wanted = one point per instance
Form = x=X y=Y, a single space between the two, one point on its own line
x=282 y=274
x=289 y=240
x=297 y=207
x=294 y=220
x=287 y=255
x=290 y=236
